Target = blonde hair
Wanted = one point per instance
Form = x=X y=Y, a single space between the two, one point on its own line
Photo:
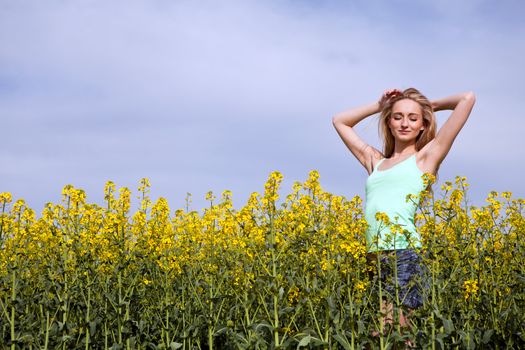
x=429 y=120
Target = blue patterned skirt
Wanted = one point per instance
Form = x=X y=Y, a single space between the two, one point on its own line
x=410 y=276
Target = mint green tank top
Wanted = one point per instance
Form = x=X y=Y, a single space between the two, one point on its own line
x=386 y=192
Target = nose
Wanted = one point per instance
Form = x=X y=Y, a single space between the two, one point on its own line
x=404 y=122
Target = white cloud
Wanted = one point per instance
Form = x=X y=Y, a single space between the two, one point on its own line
x=221 y=93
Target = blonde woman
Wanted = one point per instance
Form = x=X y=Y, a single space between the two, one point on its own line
x=411 y=147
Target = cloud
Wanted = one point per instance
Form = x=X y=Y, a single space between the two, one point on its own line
x=201 y=95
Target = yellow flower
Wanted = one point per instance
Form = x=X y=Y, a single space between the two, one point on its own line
x=471 y=289
x=383 y=218
x=428 y=179
x=506 y=195
x=209 y=196
x=5 y=197
x=360 y=286
x=293 y=295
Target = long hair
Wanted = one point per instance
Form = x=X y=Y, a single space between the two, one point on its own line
x=429 y=120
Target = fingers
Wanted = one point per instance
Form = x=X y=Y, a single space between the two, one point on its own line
x=392 y=93
x=388 y=94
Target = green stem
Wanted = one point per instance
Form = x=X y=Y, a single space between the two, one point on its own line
x=210 y=322
x=351 y=303
x=434 y=303
x=119 y=315
x=381 y=321
x=327 y=325
x=246 y=313
x=314 y=317
x=167 y=326
x=46 y=341
x=275 y=290
x=87 y=317
x=184 y=318
x=396 y=313
x=65 y=313
x=13 y=297
x=275 y=303
x=106 y=325
x=126 y=317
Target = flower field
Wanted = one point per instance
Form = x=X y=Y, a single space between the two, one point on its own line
x=280 y=273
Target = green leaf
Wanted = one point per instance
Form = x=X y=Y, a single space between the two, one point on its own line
x=25 y=339
x=175 y=345
x=439 y=339
x=286 y=310
x=360 y=327
x=487 y=335
x=342 y=341
x=92 y=327
x=263 y=324
x=305 y=341
x=448 y=325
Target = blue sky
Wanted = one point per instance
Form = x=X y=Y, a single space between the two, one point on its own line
x=215 y=95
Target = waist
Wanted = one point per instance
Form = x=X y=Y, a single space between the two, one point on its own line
x=373 y=256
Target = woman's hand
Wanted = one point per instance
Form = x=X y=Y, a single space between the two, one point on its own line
x=387 y=95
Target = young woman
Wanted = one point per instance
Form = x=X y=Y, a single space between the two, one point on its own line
x=411 y=148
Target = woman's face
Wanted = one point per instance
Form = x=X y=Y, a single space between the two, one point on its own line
x=406 y=120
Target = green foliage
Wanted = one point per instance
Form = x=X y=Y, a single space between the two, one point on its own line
x=293 y=275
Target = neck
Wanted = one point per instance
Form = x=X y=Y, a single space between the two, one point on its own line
x=403 y=149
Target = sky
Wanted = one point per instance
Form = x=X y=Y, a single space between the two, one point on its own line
x=205 y=96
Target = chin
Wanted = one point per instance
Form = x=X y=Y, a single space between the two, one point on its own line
x=406 y=138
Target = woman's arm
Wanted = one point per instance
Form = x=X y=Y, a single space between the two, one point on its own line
x=461 y=104
x=344 y=123
x=450 y=102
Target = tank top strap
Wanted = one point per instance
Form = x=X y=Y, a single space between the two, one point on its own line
x=378 y=164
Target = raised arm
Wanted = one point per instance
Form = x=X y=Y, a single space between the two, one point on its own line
x=344 y=123
x=461 y=104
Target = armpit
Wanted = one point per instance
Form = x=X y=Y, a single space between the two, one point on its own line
x=373 y=159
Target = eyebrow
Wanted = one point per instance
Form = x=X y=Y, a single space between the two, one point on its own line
x=396 y=113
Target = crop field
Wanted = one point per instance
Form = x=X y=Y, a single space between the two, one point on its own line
x=285 y=272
